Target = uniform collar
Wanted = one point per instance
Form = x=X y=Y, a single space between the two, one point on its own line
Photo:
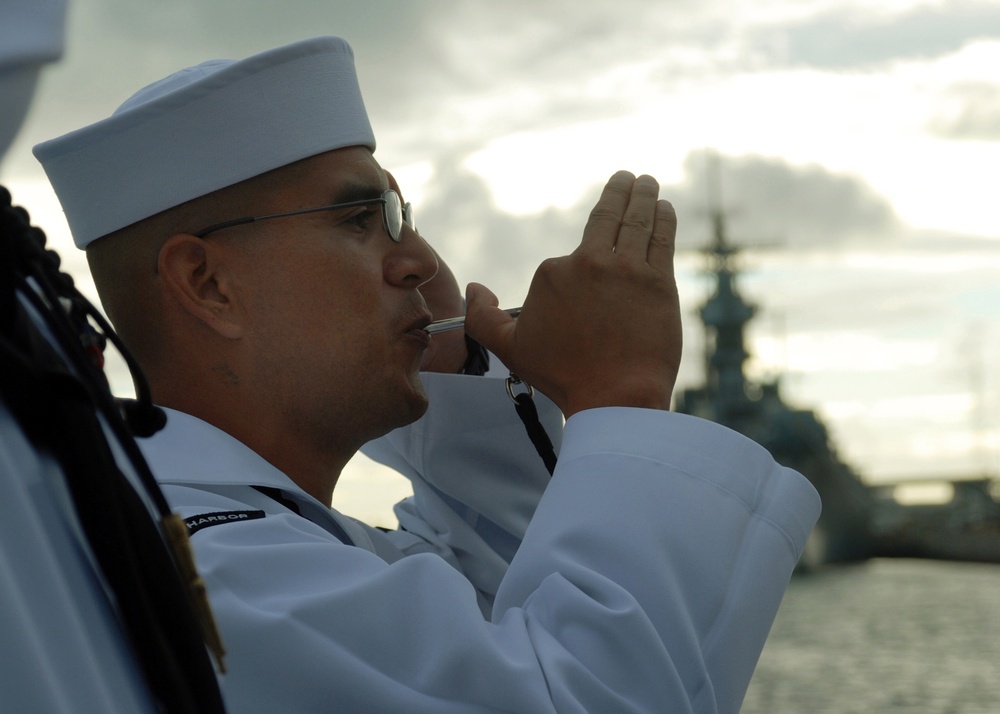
x=201 y=454
x=191 y=452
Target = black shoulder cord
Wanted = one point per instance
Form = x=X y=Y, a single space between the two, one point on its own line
x=478 y=362
x=63 y=404
x=525 y=407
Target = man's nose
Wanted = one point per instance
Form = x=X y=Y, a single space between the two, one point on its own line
x=411 y=262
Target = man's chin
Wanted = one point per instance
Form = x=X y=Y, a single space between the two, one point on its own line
x=416 y=401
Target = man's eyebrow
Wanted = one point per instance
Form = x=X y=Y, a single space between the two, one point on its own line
x=357 y=192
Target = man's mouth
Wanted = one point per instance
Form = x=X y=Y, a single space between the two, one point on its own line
x=417 y=329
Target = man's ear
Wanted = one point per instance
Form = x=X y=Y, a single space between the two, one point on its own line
x=191 y=269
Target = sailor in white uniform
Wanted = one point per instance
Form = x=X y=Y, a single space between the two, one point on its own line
x=643 y=576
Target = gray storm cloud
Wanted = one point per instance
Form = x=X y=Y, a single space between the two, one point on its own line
x=417 y=61
x=773 y=203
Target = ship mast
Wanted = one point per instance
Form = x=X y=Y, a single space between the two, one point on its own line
x=725 y=316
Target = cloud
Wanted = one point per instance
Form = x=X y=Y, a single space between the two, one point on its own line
x=437 y=71
x=562 y=40
x=114 y=47
x=845 y=38
x=484 y=244
x=770 y=202
x=971 y=111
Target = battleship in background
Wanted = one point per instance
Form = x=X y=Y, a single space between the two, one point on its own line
x=858 y=521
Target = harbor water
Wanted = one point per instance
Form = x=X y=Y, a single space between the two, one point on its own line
x=897 y=636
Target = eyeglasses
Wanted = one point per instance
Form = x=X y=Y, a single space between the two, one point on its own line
x=394 y=214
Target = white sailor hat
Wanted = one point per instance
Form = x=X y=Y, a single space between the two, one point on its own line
x=205 y=128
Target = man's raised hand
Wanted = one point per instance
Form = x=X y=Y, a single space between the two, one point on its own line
x=601 y=326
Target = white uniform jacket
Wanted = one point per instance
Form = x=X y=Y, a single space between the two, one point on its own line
x=647 y=580
x=61 y=645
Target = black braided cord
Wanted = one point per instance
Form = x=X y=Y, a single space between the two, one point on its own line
x=60 y=397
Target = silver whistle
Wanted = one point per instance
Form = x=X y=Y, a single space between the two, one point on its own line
x=453 y=323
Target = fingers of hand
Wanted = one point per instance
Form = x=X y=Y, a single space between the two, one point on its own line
x=630 y=221
x=601 y=231
x=662 y=240
x=485 y=322
x=638 y=220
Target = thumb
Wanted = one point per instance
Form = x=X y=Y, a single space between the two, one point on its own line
x=485 y=322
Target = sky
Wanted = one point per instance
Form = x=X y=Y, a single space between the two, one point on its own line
x=854 y=147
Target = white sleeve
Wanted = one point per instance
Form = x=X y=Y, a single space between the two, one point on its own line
x=702 y=559
x=647 y=581
x=476 y=476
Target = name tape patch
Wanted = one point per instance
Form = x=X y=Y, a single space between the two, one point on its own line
x=205 y=520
